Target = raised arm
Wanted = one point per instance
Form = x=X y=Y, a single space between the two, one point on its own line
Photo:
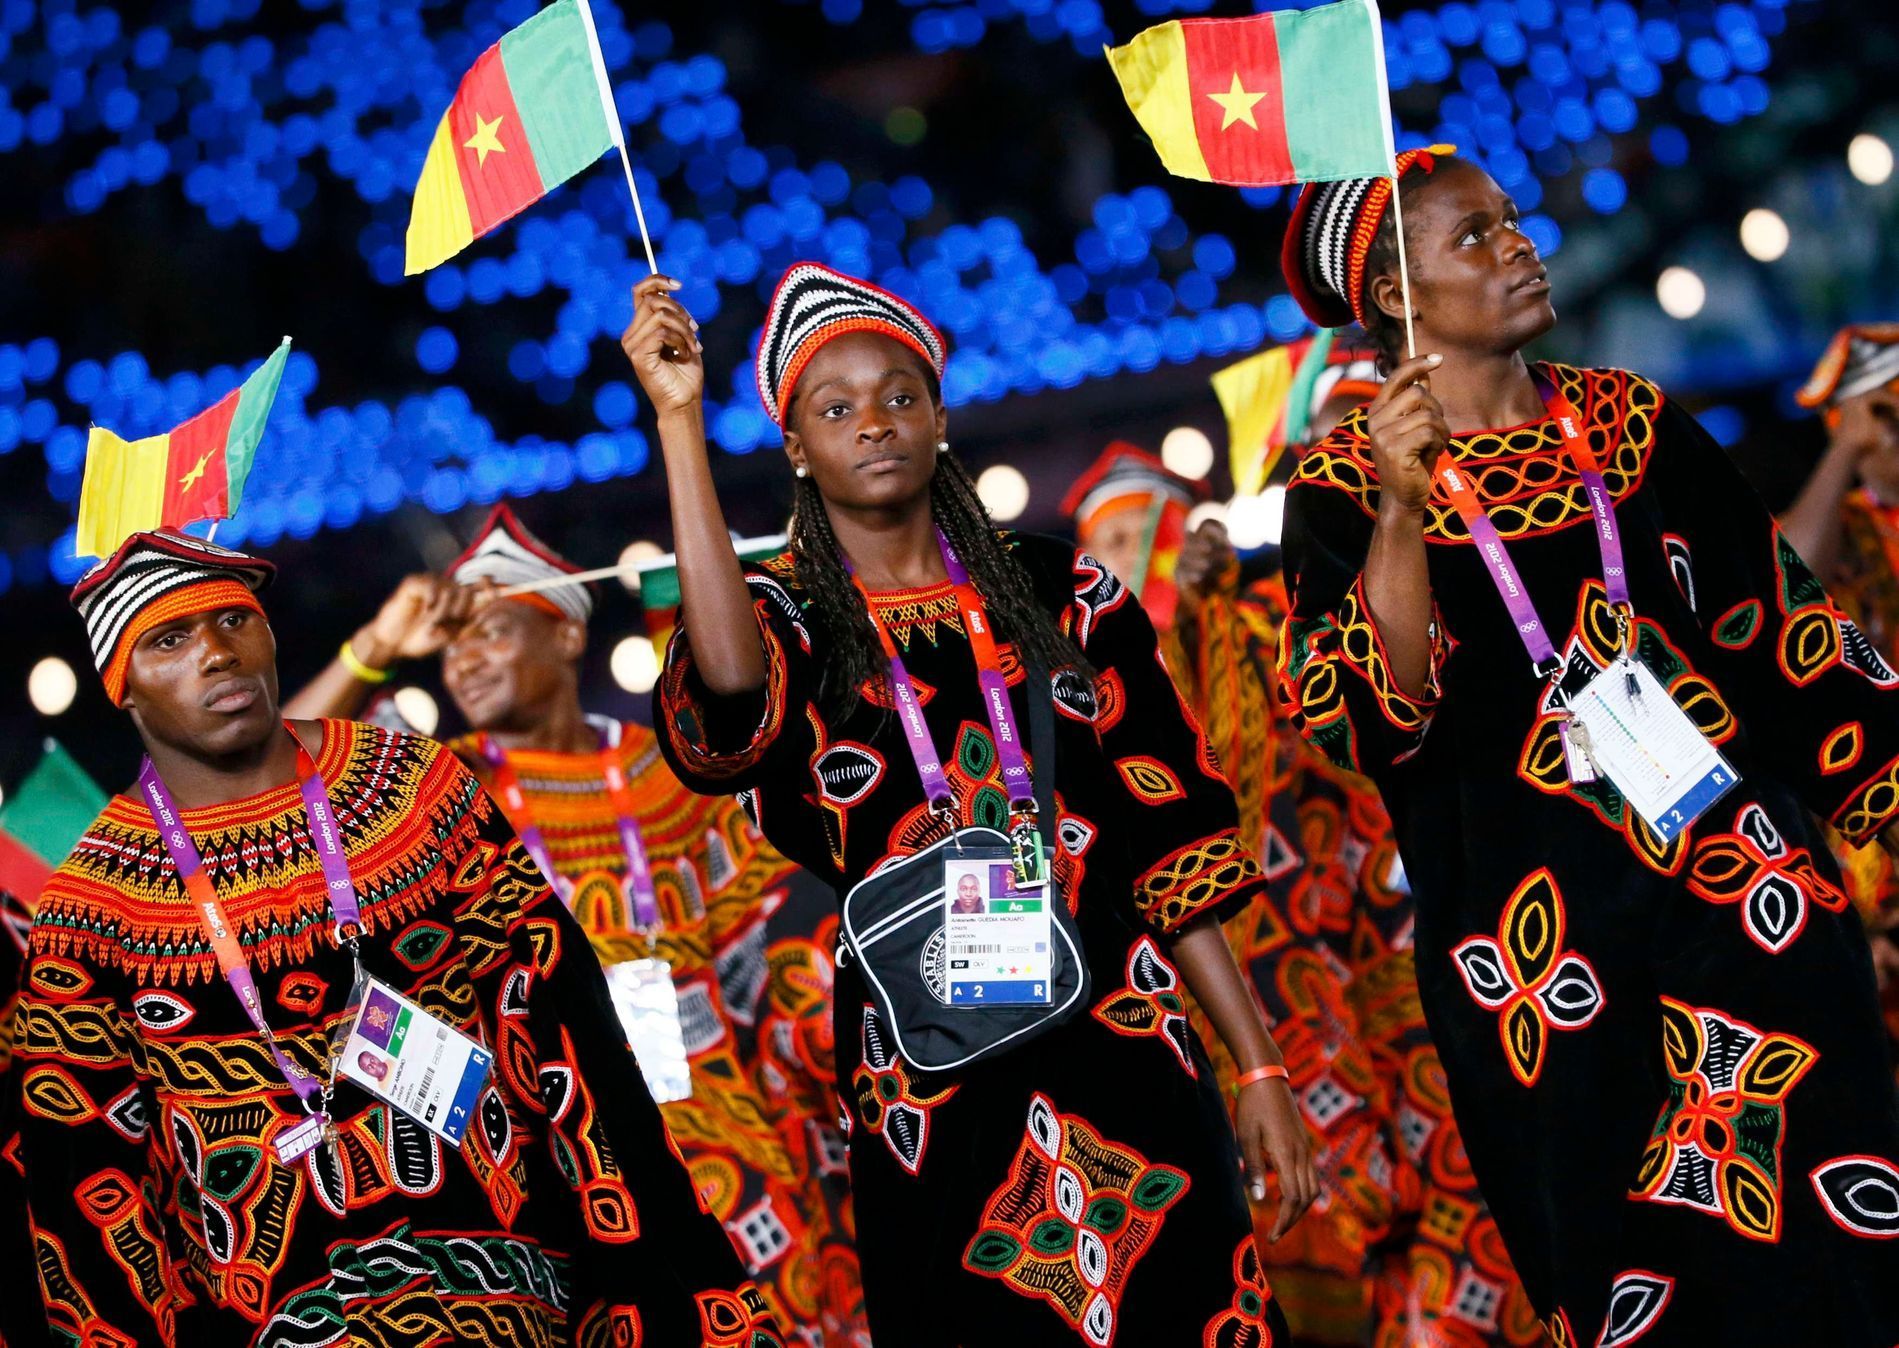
x=1407 y=432
x=419 y=618
x=662 y=343
x=1866 y=425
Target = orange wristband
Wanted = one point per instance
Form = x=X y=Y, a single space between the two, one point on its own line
x=1270 y=1072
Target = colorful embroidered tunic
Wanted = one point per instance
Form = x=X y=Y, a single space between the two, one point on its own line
x=1400 y=1247
x=142 y=1104
x=717 y=882
x=1082 y=1189
x=1665 y=1057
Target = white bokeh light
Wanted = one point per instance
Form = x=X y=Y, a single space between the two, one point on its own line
x=1255 y=521
x=1869 y=158
x=1187 y=451
x=1680 y=292
x=1004 y=490
x=635 y=665
x=418 y=709
x=1764 y=235
x=632 y=555
x=52 y=686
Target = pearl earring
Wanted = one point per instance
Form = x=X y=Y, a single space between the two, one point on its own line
x=802 y=471
x=942 y=446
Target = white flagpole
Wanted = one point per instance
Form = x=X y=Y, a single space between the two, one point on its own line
x=617 y=131
x=1391 y=157
x=1404 y=270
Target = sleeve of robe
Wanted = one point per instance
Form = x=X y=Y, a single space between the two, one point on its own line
x=1816 y=699
x=724 y=744
x=1176 y=806
x=648 y=1258
x=1334 y=671
x=80 y=1177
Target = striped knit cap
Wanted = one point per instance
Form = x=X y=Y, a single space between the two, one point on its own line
x=812 y=305
x=506 y=553
x=1859 y=359
x=1330 y=233
x=159 y=577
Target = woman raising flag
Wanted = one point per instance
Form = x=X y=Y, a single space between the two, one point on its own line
x=1653 y=1004
x=1084 y=1187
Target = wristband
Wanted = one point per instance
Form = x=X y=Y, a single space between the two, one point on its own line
x=1270 y=1072
x=354 y=664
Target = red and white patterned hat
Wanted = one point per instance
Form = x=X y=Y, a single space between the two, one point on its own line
x=155 y=577
x=812 y=305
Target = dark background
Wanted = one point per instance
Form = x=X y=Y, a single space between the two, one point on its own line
x=1005 y=112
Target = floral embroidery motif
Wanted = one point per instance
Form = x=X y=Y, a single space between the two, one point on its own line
x=1716 y=1146
x=888 y=1101
x=1072 y=1218
x=1527 y=977
x=1151 y=1004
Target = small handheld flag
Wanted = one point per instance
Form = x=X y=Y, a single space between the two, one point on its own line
x=658 y=582
x=194 y=472
x=1281 y=97
x=534 y=110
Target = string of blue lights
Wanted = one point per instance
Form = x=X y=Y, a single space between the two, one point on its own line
x=256 y=132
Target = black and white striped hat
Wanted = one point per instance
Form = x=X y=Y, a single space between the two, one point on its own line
x=153 y=578
x=1330 y=234
x=812 y=305
x=506 y=553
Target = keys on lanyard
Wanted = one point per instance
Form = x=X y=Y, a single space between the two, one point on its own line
x=1025 y=837
x=639 y=887
x=314 y=1094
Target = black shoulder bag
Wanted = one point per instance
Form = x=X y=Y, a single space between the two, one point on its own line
x=893 y=926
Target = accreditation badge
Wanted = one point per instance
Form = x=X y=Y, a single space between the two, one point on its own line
x=996 y=930
x=1623 y=725
x=416 y=1061
x=648 y=1003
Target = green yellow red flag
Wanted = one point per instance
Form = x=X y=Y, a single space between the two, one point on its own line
x=659 y=585
x=195 y=471
x=535 y=109
x=1266 y=398
x=1281 y=97
x=43 y=818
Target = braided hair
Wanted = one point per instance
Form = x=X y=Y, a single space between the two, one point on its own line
x=856 y=655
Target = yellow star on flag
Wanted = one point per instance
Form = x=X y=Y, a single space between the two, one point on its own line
x=485 y=138
x=1237 y=103
x=190 y=479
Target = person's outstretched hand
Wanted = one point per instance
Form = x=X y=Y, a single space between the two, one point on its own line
x=1407 y=432
x=1272 y=1136
x=420 y=617
x=1206 y=561
x=662 y=343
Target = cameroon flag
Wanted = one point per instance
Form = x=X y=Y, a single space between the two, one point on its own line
x=195 y=472
x=659 y=585
x=1288 y=96
x=1265 y=398
x=534 y=110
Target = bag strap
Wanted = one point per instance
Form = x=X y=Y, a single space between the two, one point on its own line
x=1042 y=745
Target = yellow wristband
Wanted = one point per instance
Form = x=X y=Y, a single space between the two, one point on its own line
x=353 y=663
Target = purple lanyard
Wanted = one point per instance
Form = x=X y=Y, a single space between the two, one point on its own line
x=639 y=887
x=995 y=695
x=1503 y=572
x=232 y=960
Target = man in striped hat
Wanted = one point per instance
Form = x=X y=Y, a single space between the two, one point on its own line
x=182 y=1103
x=673 y=889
